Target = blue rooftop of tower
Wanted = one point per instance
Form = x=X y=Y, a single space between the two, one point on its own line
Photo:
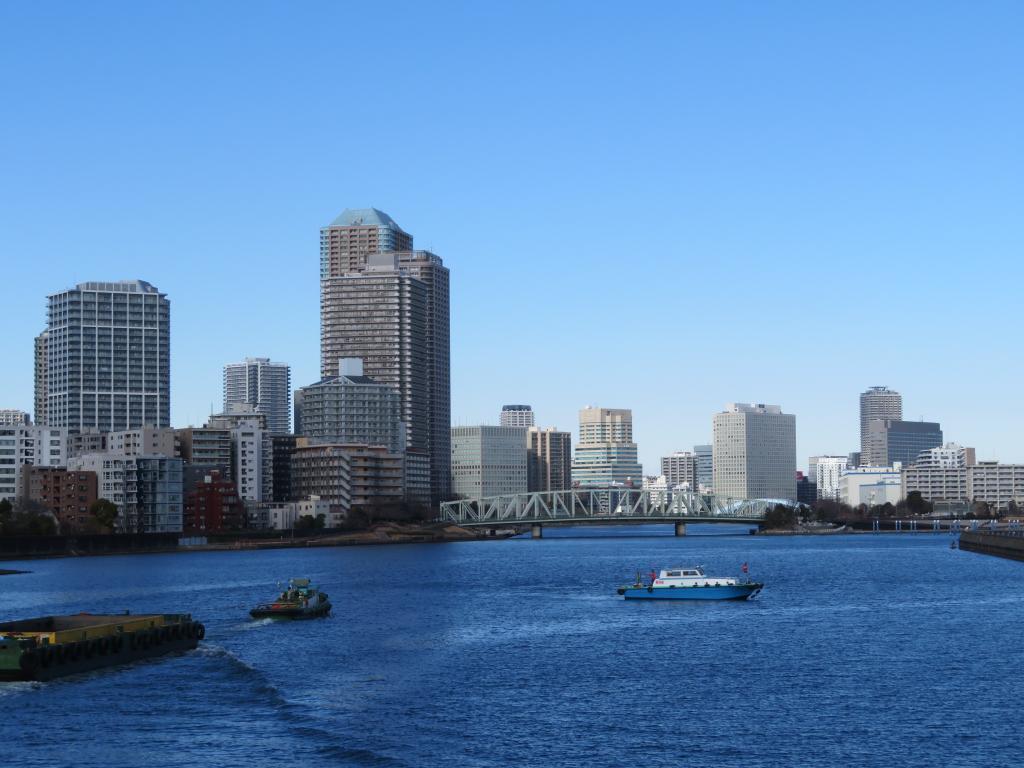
x=364 y=217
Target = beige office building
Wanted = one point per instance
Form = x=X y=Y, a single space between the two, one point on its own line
x=755 y=452
x=606 y=454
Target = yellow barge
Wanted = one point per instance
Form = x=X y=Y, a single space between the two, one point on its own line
x=54 y=646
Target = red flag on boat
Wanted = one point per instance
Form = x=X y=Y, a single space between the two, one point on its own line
x=744 y=568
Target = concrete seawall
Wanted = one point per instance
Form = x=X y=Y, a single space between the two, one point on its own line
x=1009 y=545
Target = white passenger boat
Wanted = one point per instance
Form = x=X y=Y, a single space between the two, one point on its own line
x=690 y=584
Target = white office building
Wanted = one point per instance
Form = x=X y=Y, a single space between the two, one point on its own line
x=283 y=516
x=516 y=416
x=658 y=488
x=824 y=472
x=871 y=486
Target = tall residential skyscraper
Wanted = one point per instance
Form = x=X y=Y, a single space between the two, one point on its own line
x=517 y=416
x=107 y=357
x=265 y=386
x=755 y=452
x=549 y=459
x=380 y=315
x=877 y=403
x=41 y=368
x=389 y=305
x=606 y=453
x=429 y=270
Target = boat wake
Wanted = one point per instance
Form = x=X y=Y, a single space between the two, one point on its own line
x=251 y=625
x=326 y=742
x=16 y=688
x=245 y=671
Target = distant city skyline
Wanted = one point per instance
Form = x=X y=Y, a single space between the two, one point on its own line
x=753 y=214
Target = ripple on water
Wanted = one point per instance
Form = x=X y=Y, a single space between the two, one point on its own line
x=521 y=653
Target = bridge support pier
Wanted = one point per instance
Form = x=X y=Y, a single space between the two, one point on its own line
x=680 y=529
x=537 y=531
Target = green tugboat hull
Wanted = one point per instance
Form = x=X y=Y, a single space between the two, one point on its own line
x=300 y=601
x=269 y=612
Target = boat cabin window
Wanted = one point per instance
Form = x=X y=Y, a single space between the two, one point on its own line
x=670 y=574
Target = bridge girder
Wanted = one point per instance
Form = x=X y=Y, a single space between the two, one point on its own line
x=597 y=505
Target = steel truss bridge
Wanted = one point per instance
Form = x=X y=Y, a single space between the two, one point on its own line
x=603 y=506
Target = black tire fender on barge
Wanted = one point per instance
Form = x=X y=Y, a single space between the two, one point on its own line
x=29 y=661
x=46 y=655
x=200 y=631
x=116 y=643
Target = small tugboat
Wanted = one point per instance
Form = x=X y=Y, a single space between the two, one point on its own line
x=54 y=646
x=299 y=601
x=690 y=584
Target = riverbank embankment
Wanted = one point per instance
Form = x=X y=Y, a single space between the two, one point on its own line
x=35 y=547
x=1009 y=544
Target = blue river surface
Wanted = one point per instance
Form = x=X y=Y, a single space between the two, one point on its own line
x=863 y=650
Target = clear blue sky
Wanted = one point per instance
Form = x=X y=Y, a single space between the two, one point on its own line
x=659 y=206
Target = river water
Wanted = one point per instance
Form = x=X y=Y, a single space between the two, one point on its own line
x=866 y=650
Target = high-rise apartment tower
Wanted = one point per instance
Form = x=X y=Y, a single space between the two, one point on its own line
x=265 y=386
x=107 y=358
